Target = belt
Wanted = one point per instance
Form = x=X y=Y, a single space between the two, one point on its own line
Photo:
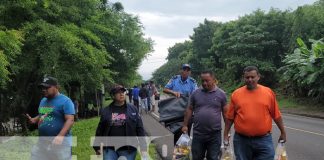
x=260 y=136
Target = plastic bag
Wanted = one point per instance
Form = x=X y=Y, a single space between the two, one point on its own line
x=281 y=153
x=182 y=148
x=227 y=153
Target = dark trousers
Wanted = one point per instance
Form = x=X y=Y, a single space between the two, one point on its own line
x=130 y=98
x=136 y=103
x=148 y=103
x=209 y=143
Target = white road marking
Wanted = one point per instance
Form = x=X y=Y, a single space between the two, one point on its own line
x=301 y=130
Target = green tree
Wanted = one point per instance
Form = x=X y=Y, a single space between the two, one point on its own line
x=304 y=70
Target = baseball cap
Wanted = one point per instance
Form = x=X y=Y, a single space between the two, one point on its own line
x=116 y=89
x=186 y=66
x=48 y=82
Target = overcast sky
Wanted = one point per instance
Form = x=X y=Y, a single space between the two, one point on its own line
x=170 y=21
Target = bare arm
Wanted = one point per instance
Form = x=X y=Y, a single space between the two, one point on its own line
x=32 y=120
x=281 y=127
x=69 y=120
x=228 y=125
x=169 y=91
x=188 y=115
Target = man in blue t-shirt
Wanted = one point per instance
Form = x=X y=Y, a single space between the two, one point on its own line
x=55 y=119
x=135 y=93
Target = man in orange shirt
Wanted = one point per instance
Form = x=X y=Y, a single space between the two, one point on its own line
x=252 y=109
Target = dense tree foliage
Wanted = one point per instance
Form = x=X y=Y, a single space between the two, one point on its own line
x=303 y=71
x=85 y=44
x=264 y=39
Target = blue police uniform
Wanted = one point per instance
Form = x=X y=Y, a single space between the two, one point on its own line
x=184 y=87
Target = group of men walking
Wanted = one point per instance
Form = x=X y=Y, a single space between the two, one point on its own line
x=251 y=109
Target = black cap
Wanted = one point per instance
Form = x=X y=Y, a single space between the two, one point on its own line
x=48 y=82
x=116 y=89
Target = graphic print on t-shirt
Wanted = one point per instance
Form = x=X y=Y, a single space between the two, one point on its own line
x=118 y=119
x=45 y=114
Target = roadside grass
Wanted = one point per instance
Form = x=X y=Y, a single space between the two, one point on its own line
x=84 y=130
x=288 y=102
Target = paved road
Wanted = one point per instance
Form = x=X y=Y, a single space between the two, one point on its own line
x=305 y=137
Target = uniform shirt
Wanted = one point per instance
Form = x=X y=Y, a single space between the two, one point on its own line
x=184 y=87
x=253 y=111
x=51 y=115
x=207 y=107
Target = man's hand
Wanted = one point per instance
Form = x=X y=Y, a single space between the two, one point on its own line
x=30 y=119
x=176 y=94
x=184 y=129
x=226 y=139
x=58 y=140
x=282 y=137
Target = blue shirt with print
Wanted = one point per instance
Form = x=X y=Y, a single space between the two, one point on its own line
x=51 y=114
x=185 y=87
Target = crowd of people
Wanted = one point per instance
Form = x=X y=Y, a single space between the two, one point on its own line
x=144 y=98
x=251 y=109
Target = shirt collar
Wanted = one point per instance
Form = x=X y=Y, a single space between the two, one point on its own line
x=181 y=81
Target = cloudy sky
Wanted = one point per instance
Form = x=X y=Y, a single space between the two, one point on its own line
x=170 y=21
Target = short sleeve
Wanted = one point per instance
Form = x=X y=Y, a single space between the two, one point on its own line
x=195 y=86
x=274 y=110
x=224 y=100
x=68 y=107
x=170 y=84
x=231 y=110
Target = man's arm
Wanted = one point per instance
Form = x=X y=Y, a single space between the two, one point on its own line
x=32 y=120
x=69 y=120
x=169 y=91
x=228 y=125
x=188 y=115
x=281 y=127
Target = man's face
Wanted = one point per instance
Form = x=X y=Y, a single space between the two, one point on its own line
x=120 y=96
x=251 y=79
x=185 y=72
x=207 y=81
x=49 y=92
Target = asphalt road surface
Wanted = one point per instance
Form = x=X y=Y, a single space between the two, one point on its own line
x=305 y=137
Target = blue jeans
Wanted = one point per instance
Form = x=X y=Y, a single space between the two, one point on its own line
x=210 y=144
x=111 y=154
x=256 y=148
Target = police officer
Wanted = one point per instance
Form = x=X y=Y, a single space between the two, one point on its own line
x=181 y=85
